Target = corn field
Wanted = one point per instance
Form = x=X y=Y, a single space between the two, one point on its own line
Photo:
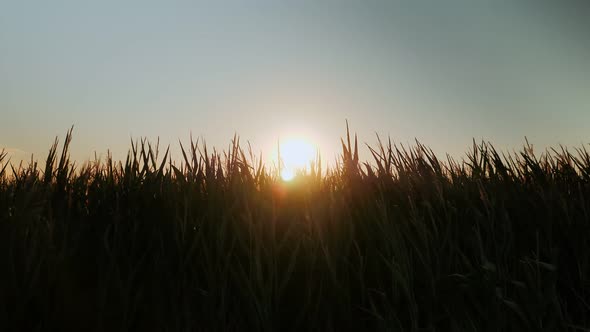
x=218 y=242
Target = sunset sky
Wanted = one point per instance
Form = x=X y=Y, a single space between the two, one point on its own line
x=440 y=71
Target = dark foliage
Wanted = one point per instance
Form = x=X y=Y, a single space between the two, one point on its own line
x=407 y=242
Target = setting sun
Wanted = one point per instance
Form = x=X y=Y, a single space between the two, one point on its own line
x=296 y=154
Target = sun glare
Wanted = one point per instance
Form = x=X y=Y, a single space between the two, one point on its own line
x=287 y=174
x=296 y=154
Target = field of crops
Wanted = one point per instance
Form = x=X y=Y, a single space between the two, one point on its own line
x=218 y=242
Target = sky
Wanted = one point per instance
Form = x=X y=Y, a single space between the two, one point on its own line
x=443 y=72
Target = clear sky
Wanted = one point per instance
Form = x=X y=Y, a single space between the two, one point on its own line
x=440 y=71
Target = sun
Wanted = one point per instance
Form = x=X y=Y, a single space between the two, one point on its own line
x=296 y=154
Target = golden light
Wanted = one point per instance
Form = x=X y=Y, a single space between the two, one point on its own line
x=287 y=174
x=296 y=154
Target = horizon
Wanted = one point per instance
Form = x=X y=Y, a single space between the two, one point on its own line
x=297 y=155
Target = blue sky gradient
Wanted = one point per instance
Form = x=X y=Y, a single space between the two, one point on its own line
x=440 y=71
